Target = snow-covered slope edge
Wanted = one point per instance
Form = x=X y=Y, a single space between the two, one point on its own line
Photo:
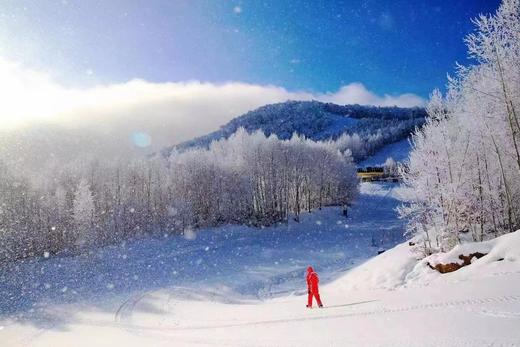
x=400 y=267
x=386 y=271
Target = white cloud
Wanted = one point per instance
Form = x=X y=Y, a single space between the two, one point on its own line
x=107 y=117
x=357 y=93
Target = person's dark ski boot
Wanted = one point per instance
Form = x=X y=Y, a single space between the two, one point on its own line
x=321 y=306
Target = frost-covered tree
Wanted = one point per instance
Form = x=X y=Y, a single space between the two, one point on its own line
x=465 y=162
x=248 y=178
x=390 y=167
x=251 y=178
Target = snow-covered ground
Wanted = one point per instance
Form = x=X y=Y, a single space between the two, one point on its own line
x=227 y=264
x=244 y=287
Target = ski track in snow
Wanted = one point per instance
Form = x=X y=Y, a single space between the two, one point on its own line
x=125 y=320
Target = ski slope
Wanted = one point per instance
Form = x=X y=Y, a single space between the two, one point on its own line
x=237 y=286
x=254 y=294
x=227 y=264
x=252 y=262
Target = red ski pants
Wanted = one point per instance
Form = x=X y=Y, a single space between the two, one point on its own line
x=316 y=295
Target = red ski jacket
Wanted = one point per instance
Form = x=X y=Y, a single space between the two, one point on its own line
x=312 y=280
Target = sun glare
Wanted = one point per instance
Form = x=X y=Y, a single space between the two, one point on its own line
x=27 y=96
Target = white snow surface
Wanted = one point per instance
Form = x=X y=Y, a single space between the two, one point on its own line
x=239 y=286
x=398 y=192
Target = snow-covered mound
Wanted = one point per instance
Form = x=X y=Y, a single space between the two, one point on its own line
x=386 y=271
x=399 y=266
x=502 y=256
x=505 y=247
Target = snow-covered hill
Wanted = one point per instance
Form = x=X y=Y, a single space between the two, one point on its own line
x=375 y=126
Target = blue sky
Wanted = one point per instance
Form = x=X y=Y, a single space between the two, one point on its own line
x=317 y=46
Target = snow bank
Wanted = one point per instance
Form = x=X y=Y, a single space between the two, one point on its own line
x=505 y=247
x=466 y=249
x=502 y=257
x=386 y=271
x=399 y=267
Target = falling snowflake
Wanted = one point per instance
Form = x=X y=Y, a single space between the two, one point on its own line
x=189 y=234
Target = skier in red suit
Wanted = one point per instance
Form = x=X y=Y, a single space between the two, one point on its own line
x=312 y=287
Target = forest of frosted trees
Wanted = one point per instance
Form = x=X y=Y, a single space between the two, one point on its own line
x=465 y=163
x=247 y=178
